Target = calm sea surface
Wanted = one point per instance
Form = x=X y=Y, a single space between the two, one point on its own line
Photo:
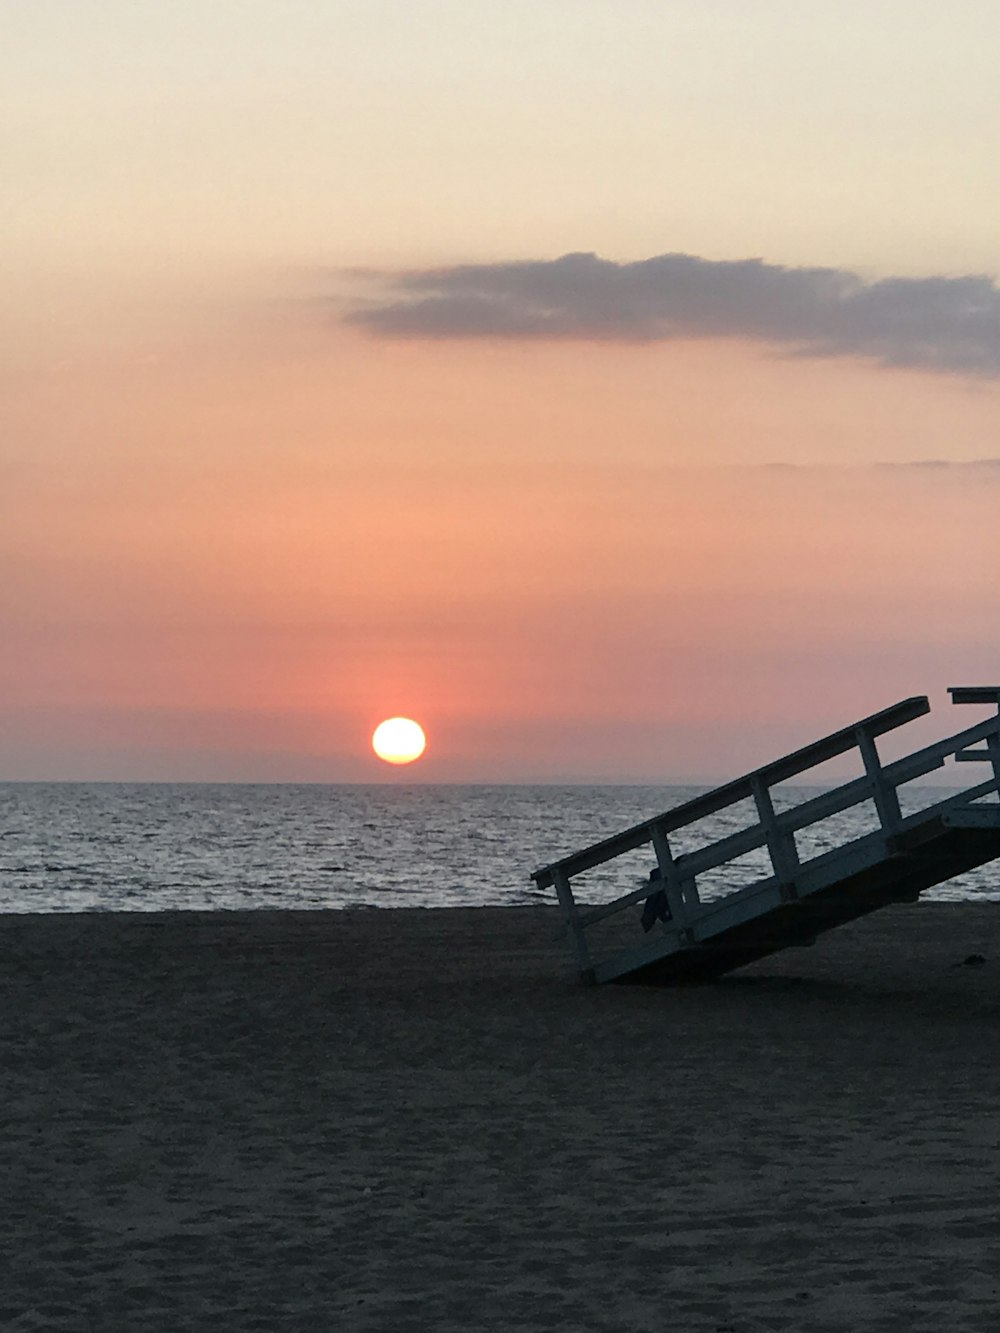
x=156 y=847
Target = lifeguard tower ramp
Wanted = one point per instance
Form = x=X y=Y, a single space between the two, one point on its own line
x=798 y=892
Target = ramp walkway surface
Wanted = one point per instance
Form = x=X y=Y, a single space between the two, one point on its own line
x=696 y=935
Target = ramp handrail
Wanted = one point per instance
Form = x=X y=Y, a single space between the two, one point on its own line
x=790 y=765
x=774 y=830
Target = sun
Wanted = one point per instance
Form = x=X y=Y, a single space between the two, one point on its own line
x=399 y=740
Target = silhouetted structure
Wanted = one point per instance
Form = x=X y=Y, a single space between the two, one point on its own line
x=699 y=938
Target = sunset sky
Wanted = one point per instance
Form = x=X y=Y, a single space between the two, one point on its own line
x=613 y=386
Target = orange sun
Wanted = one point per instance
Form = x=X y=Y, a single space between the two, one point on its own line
x=399 y=740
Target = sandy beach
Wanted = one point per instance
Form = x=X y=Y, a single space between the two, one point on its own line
x=412 y=1120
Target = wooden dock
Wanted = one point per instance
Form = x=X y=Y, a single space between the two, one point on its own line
x=798 y=896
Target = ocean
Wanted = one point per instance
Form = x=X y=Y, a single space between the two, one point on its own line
x=138 y=847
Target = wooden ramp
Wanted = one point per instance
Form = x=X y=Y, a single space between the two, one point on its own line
x=796 y=895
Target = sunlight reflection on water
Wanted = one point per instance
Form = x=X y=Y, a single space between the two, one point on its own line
x=157 y=847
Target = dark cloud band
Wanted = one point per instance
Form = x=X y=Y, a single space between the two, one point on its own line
x=951 y=325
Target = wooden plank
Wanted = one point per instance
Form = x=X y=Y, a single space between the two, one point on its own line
x=775 y=942
x=959 y=799
x=566 y=901
x=588 y=916
x=883 y=792
x=670 y=879
x=747 y=901
x=715 y=854
x=780 y=844
x=828 y=803
x=975 y=816
x=649 y=950
x=974 y=694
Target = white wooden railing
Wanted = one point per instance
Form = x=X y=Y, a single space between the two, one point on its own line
x=775 y=830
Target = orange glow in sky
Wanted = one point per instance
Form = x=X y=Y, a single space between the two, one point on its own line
x=234 y=525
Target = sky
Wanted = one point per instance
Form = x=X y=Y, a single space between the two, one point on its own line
x=612 y=387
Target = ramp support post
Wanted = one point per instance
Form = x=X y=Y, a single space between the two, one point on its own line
x=673 y=885
x=781 y=845
x=883 y=793
x=567 y=902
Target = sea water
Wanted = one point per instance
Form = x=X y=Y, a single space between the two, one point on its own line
x=159 y=847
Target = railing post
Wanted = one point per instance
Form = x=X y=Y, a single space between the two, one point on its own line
x=679 y=893
x=883 y=793
x=684 y=887
x=993 y=749
x=568 y=904
x=780 y=845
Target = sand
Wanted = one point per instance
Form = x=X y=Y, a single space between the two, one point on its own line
x=418 y=1120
